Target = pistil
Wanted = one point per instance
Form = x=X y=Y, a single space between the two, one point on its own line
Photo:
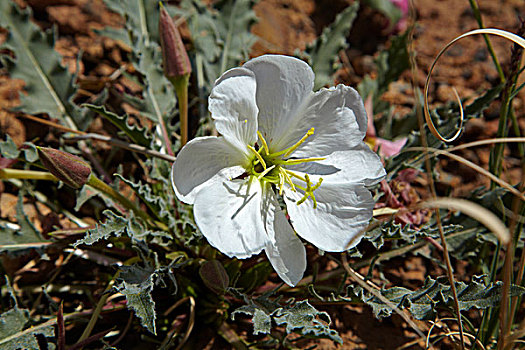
x=266 y=162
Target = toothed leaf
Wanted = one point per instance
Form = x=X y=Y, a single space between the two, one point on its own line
x=305 y=319
x=136 y=284
x=323 y=52
x=424 y=303
x=115 y=225
x=137 y=134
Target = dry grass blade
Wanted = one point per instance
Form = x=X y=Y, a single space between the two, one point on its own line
x=474 y=210
x=450 y=334
x=486 y=142
x=510 y=36
x=476 y=167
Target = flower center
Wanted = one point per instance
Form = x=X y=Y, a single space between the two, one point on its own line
x=271 y=167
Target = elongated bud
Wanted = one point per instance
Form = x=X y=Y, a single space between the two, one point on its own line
x=174 y=55
x=214 y=276
x=68 y=168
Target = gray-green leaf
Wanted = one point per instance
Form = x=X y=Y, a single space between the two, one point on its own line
x=323 y=52
x=50 y=86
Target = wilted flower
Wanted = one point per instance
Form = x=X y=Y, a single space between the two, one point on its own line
x=280 y=140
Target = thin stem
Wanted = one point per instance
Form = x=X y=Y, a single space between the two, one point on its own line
x=98 y=309
x=432 y=187
x=105 y=188
x=477 y=16
x=181 y=89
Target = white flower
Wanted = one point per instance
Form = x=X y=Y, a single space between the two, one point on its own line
x=280 y=139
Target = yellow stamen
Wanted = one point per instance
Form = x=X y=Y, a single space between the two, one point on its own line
x=300 y=160
x=264 y=144
x=261 y=160
x=290 y=150
x=288 y=179
x=294 y=174
x=281 y=182
x=266 y=171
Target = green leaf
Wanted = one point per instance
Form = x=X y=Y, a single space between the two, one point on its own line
x=115 y=225
x=436 y=294
x=30 y=153
x=137 y=134
x=141 y=34
x=221 y=35
x=142 y=16
x=262 y=323
x=136 y=283
x=393 y=231
x=50 y=86
x=8 y=148
x=85 y=194
x=323 y=52
x=234 y=23
x=12 y=333
x=305 y=319
x=300 y=317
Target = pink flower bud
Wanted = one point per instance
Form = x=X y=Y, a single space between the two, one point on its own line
x=66 y=167
x=174 y=55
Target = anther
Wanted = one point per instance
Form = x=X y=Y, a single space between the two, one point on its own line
x=266 y=171
x=263 y=141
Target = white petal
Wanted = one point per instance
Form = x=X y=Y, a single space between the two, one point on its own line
x=228 y=214
x=283 y=85
x=338 y=117
x=338 y=223
x=357 y=165
x=284 y=249
x=200 y=160
x=233 y=107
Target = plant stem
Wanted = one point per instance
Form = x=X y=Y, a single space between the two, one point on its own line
x=98 y=309
x=477 y=16
x=432 y=187
x=26 y=174
x=105 y=188
x=181 y=89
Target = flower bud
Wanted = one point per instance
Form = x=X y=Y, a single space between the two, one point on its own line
x=214 y=276
x=66 y=167
x=174 y=55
